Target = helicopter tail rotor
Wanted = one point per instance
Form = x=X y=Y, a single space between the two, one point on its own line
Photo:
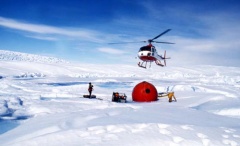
x=164 y=58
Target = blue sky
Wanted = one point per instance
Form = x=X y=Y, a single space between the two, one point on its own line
x=205 y=32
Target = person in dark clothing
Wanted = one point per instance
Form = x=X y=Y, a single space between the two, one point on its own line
x=90 y=88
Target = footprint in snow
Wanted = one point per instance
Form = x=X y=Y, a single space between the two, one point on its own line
x=204 y=138
x=177 y=139
x=163 y=130
x=225 y=136
x=115 y=129
x=187 y=127
x=229 y=142
x=163 y=126
x=236 y=136
x=139 y=128
x=228 y=130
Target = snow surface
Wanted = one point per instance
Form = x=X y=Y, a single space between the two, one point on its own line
x=41 y=104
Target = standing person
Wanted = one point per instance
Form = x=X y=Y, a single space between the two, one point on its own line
x=170 y=96
x=90 y=88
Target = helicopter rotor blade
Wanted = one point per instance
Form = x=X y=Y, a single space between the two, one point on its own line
x=161 y=34
x=149 y=41
x=163 y=42
x=128 y=42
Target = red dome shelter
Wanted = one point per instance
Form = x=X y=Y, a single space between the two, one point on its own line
x=144 y=92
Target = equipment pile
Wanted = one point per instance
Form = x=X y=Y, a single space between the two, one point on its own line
x=119 y=97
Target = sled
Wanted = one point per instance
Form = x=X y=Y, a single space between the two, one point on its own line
x=119 y=97
x=87 y=96
x=170 y=95
x=162 y=94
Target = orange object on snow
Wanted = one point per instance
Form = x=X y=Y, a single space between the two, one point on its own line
x=144 y=92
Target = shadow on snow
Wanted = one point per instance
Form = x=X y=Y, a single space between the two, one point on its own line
x=111 y=85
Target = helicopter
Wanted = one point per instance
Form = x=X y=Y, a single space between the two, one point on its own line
x=148 y=53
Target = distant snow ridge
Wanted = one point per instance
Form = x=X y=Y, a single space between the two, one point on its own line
x=30 y=75
x=17 y=56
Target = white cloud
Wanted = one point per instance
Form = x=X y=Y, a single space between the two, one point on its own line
x=50 y=30
x=193 y=44
x=42 y=37
x=110 y=51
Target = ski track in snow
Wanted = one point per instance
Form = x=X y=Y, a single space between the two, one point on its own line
x=40 y=105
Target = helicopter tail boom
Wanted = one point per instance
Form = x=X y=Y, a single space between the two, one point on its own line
x=158 y=62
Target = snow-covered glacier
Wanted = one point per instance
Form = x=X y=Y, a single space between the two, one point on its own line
x=41 y=104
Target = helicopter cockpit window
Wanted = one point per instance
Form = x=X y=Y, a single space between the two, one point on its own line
x=145 y=48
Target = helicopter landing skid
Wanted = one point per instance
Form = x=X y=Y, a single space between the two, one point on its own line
x=141 y=64
x=159 y=63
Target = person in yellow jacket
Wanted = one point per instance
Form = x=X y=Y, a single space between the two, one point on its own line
x=170 y=96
